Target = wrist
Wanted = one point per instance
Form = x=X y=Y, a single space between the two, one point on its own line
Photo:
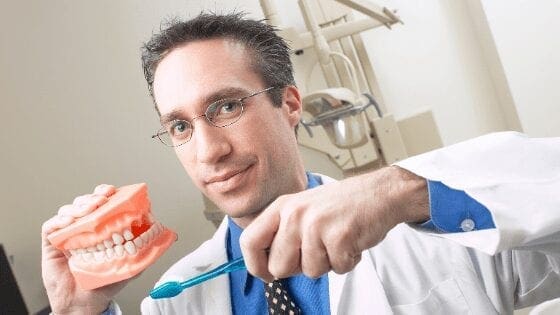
x=409 y=195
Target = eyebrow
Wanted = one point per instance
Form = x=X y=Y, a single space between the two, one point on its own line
x=228 y=92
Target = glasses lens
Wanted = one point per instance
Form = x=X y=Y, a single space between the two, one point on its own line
x=224 y=112
x=175 y=133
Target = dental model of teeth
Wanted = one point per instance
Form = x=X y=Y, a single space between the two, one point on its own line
x=112 y=235
x=118 y=246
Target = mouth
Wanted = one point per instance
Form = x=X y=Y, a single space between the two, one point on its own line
x=228 y=181
x=114 y=242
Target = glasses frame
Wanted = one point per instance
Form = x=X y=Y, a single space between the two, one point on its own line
x=163 y=131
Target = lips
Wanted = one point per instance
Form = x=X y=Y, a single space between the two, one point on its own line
x=229 y=180
x=224 y=177
x=114 y=242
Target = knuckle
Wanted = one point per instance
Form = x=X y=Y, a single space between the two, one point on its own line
x=81 y=199
x=104 y=189
x=343 y=263
x=246 y=241
x=258 y=270
x=66 y=209
x=313 y=272
x=277 y=268
x=99 y=199
x=314 y=227
x=281 y=269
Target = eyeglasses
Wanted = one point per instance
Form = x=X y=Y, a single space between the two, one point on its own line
x=220 y=114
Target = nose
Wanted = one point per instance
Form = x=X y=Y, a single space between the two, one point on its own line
x=211 y=144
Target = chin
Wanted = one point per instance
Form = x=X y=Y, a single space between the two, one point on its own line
x=239 y=208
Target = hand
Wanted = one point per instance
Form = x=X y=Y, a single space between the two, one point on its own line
x=328 y=227
x=64 y=295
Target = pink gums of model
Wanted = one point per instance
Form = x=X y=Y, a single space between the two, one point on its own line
x=114 y=242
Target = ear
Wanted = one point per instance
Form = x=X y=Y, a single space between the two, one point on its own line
x=292 y=105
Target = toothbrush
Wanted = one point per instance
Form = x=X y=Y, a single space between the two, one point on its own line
x=172 y=288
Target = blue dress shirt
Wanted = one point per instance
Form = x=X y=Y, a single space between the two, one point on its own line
x=454 y=211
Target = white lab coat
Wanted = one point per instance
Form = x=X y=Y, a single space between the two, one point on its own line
x=417 y=272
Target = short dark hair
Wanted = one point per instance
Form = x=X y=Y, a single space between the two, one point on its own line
x=270 y=53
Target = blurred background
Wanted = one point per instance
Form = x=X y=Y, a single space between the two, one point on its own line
x=75 y=109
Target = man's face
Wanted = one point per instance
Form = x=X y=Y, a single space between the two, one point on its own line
x=245 y=166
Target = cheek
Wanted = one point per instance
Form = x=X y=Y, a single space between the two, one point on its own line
x=186 y=158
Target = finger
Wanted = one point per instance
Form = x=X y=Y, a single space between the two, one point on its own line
x=90 y=204
x=66 y=210
x=83 y=205
x=80 y=200
x=55 y=223
x=285 y=250
x=314 y=258
x=255 y=242
x=343 y=261
x=104 y=190
x=342 y=250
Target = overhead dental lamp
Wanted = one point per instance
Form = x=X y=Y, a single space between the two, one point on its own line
x=339 y=111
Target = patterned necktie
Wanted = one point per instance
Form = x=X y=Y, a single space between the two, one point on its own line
x=278 y=299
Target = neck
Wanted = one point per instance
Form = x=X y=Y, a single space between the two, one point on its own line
x=300 y=184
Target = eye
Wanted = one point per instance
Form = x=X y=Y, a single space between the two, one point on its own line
x=228 y=107
x=179 y=129
x=224 y=111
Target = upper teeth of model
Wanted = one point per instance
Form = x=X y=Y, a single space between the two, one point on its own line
x=119 y=245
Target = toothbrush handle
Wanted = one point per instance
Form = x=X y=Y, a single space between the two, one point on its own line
x=231 y=266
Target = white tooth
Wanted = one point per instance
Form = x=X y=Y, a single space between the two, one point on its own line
x=81 y=251
x=128 y=235
x=87 y=256
x=91 y=249
x=145 y=237
x=99 y=256
x=138 y=242
x=119 y=250
x=118 y=239
x=100 y=247
x=73 y=252
x=130 y=248
x=110 y=252
x=108 y=243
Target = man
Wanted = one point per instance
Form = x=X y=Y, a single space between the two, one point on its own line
x=224 y=89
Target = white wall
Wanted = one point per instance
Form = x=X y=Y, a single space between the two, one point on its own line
x=75 y=111
x=434 y=60
x=527 y=40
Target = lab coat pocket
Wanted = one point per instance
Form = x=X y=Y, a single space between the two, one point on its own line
x=444 y=298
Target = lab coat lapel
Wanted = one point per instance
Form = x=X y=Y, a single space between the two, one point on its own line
x=359 y=291
x=216 y=293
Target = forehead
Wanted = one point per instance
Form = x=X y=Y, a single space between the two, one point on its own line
x=190 y=74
